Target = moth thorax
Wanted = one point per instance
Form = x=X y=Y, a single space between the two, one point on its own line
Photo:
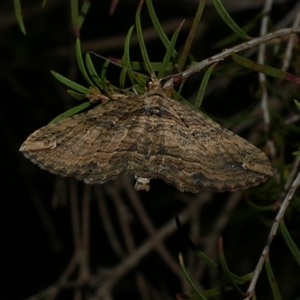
x=155 y=105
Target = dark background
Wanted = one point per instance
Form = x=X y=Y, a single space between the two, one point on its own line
x=37 y=239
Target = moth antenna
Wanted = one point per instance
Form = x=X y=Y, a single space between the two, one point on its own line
x=118 y=65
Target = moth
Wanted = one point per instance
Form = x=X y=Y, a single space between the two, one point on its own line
x=150 y=136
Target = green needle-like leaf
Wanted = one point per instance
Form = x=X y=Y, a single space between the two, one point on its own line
x=228 y=20
x=83 y=12
x=122 y=78
x=137 y=65
x=252 y=65
x=92 y=70
x=188 y=278
x=297 y=104
x=290 y=243
x=74 y=16
x=71 y=84
x=209 y=262
x=141 y=39
x=103 y=75
x=190 y=38
x=203 y=85
x=169 y=52
x=272 y=281
x=126 y=60
x=225 y=268
x=44 y=3
x=75 y=95
x=216 y=291
x=233 y=38
x=260 y=207
x=81 y=64
x=18 y=12
x=71 y=112
x=158 y=28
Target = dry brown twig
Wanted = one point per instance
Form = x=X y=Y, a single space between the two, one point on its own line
x=105 y=280
x=286 y=201
x=228 y=52
x=290 y=188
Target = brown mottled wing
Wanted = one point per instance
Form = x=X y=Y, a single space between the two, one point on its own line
x=193 y=153
x=152 y=137
x=95 y=146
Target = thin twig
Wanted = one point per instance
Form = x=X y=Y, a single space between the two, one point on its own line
x=292 y=120
x=195 y=234
x=210 y=242
x=261 y=60
x=228 y=52
x=293 y=173
x=148 y=225
x=289 y=49
x=288 y=18
x=52 y=291
x=59 y=196
x=75 y=216
x=142 y=286
x=266 y=250
x=132 y=260
x=107 y=222
x=85 y=238
x=123 y=215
